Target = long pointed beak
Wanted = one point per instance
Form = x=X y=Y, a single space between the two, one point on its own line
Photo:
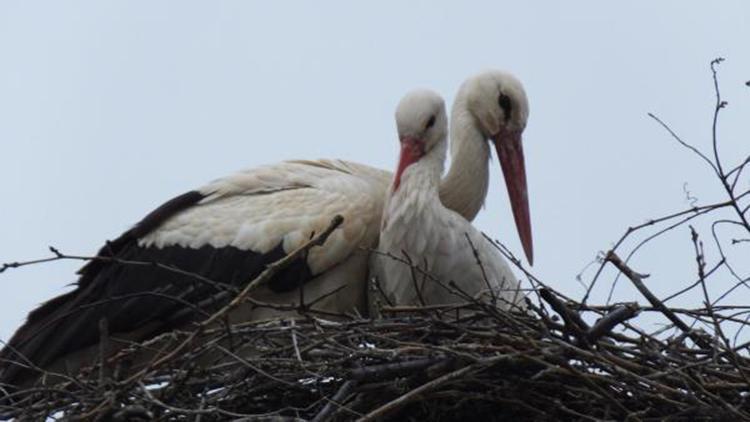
x=412 y=149
x=510 y=152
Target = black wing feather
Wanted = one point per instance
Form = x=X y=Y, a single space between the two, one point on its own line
x=131 y=296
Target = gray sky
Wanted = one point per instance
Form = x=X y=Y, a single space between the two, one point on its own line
x=108 y=109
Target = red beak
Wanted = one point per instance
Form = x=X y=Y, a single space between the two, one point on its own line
x=412 y=149
x=510 y=153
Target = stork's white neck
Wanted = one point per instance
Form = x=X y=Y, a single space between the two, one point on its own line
x=417 y=193
x=465 y=186
x=424 y=175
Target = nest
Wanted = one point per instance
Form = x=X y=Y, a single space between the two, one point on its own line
x=433 y=363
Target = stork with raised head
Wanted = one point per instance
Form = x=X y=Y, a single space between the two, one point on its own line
x=417 y=229
x=229 y=230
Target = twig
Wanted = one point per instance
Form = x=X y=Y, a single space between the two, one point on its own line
x=637 y=280
x=573 y=320
x=336 y=402
x=609 y=321
x=411 y=395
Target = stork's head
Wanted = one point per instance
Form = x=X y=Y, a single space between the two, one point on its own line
x=422 y=126
x=497 y=102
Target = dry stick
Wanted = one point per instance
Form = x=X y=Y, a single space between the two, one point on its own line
x=740 y=280
x=294 y=341
x=572 y=319
x=535 y=282
x=738 y=171
x=103 y=347
x=59 y=256
x=413 y=271
x=649 y=238
x=695 y=283
x=406 y=398
x=336 y=402
x=701 y=263
x=677 y=137
x=260 y=280
x=388 y=370
x=565 y=364
x=696 y=211
x=254 y=368
x=637 y=280
x=478 y=260
x=720 y=104
x=611 y=320
x=18 y=264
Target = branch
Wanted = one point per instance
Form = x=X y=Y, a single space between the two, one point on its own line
x=637 y=280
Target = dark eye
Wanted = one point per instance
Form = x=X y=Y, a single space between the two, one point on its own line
x=505 y=104
x=431 y=122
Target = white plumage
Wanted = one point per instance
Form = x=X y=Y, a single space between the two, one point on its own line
x=418 y=229
x=258 y=208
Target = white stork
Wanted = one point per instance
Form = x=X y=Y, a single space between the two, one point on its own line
x=418 y=230
x=229 y=230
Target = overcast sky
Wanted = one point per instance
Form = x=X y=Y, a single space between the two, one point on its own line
x=108 y=109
